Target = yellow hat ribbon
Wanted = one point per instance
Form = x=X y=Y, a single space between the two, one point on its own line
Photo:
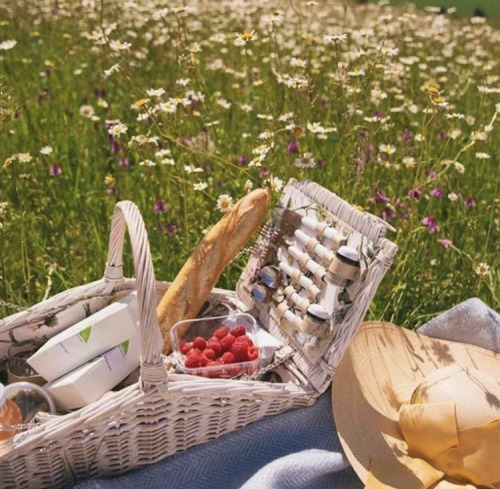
x=441 y=456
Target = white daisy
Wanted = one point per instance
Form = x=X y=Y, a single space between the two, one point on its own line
x=224 y=203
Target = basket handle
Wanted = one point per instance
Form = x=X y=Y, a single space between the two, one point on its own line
x=127 y=216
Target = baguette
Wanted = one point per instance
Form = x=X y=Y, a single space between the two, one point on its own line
x=193 y=284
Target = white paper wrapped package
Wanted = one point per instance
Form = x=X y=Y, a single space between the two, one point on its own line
x=87 y=339
x=89 y=382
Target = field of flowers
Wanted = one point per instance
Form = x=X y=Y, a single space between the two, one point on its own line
x=182 y=107
x=465 y=8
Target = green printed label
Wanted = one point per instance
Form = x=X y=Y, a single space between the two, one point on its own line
x=85 y=334
x=125 y=346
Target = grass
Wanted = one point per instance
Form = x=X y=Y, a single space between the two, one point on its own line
x=464 y=8
x=177 y=107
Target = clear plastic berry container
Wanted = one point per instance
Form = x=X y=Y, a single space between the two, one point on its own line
x=237 y=328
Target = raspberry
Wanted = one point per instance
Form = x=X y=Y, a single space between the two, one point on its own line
x=214 y=345
x=203 y=360
x=185 y=347
x=193 y=358
x=235 y=370
x=221 y=332
x=227 y=342
x=213 y=363
x=239 y=331
x=199 y=343
x=245 y=339
x=227 y=357
x=252 y=353
x=208 y=353
x=239 y=350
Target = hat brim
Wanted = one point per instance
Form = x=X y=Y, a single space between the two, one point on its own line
x=379 y=371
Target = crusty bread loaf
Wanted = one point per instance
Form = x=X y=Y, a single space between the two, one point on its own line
x=187 y=293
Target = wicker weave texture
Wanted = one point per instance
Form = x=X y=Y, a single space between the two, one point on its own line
x=319 y=370
x=150 y=420
x=132 y=429
x=161 y=414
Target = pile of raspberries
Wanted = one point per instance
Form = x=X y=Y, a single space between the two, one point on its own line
x=223 y=348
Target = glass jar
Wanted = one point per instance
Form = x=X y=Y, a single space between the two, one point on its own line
x=10 y=415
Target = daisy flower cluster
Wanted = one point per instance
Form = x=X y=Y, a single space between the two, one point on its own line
x=183 y=107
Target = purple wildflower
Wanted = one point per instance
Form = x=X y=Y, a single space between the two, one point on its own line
x=445 y=243
x=414 y=193
x=170 y=229
x=160 y=206
x=430 y=223
x=470 y=203
x=55 y=170
x=293 y=147
x=263 y=173
x=242 y=160
x=387 y=214
x=111 y=191
x=407 y=135
x=115 y=146
x=381 y=197
x=441 y=136
x=123 y=162
x=436 y=192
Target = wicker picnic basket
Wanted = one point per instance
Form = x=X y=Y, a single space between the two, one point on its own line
x=160 y=413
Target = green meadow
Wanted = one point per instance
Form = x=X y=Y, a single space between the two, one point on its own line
x=464 y=8
x=182 y=107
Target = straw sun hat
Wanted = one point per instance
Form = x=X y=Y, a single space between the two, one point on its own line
x=414 y=412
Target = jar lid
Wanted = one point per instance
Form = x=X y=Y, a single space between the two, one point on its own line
x=317 y=312
x=3 y=394
x=31 y=398
x=348 y=252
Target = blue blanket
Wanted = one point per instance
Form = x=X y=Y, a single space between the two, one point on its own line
x=298 y=449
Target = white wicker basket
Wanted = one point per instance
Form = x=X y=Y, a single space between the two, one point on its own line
x=161 y=413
